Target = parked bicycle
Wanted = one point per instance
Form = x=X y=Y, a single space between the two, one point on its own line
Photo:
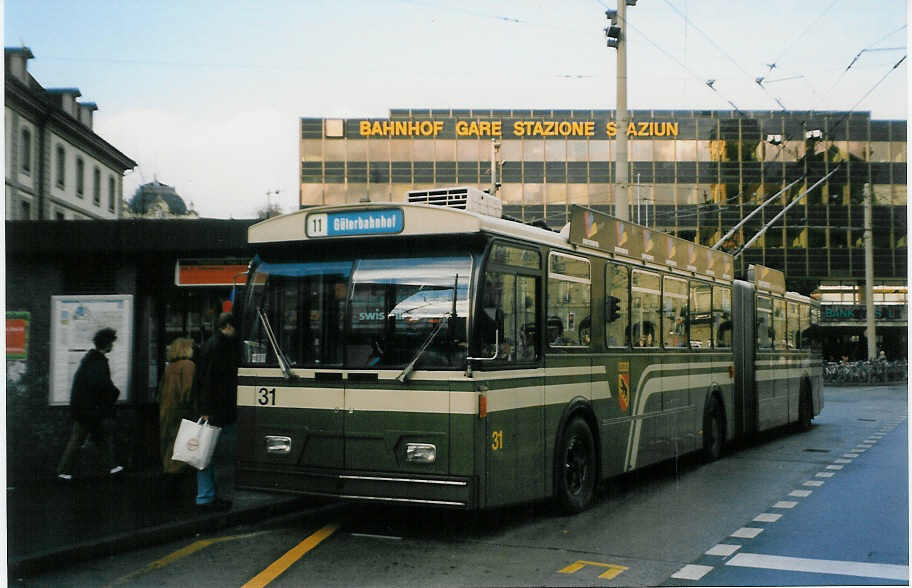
x=865 y=372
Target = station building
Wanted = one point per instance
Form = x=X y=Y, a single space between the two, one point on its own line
x=57 y=167
x=693 y=173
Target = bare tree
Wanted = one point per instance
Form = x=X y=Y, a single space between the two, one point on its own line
x=270 y=210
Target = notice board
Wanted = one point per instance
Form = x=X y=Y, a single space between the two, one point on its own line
x=74 y=321
x=17 y=334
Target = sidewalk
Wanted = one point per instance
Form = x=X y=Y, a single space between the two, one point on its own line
x=51 y=523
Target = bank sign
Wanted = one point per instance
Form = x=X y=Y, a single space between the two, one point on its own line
x=513 y=129
x=845 y=313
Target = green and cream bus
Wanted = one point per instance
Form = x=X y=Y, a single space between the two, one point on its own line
x=431 y=352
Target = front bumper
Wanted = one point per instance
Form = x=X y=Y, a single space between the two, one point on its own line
x=357 y=486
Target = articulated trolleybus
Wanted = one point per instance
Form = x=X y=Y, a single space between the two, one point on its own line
x=434 y=353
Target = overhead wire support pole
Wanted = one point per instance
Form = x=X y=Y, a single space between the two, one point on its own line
x=755 y=211
x=784 y=210
x=871 y=330
x=622 y=198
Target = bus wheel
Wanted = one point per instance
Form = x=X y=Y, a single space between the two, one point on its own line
x=576 y=467
x=713 y=430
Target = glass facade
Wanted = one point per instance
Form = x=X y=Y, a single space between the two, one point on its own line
x=694 y=174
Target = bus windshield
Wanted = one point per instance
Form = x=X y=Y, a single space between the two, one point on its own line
x=358 y=313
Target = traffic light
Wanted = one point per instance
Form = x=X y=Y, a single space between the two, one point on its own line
x=612 y=31
x=612 y=309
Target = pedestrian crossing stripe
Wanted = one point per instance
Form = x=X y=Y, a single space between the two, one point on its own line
x=820 y=566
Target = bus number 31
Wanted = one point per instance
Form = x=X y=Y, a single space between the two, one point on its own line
x=497 y=440
x=266 y=397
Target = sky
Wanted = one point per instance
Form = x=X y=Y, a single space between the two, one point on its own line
x=206 y=95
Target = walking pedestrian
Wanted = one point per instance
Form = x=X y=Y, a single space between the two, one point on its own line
x=175 y=402
x=91 y=404
x=216 y=389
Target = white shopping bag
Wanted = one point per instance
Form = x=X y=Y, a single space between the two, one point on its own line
x=195 y=443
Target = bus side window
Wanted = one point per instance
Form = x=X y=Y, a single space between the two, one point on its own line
x=617 y=305
x=701 y=326
x=779 y=325
x=645 y=307
x=722 y=322
x=508 y=314
x=764 y=322
x=527 y=314
x=793 y=330
x=569 y=294
x=805 y=326
x=674 y=313
x=816 y=343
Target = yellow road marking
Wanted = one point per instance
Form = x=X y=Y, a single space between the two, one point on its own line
x=612 y=572
x=279 y=566
x=180 y=554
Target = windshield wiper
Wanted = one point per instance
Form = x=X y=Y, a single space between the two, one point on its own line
x=404 y=374
x=407 y=370
x=280 y=355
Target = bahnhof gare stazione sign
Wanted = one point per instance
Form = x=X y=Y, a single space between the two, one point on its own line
x=513 y=129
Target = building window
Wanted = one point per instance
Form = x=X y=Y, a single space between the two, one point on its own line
x=61 y=166
x=80 y=177
x=96 y=186
x=26 y=151
x=111 y=193
x=60 y=216
x=26 y=210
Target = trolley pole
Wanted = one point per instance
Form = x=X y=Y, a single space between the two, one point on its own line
x=621 y=198
x=869 y=275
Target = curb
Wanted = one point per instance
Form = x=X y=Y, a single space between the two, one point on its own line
x=865 y=384
x=130 y=540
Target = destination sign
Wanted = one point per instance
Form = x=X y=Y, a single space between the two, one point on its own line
x=361 y=222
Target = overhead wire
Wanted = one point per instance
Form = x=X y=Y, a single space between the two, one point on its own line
x=695 y=75
x=801 y=35
x=872 y=48
x=866 y=94
x=508 y=19
x=722 y=51
x=710 y=83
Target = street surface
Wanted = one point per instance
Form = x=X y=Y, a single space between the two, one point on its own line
x=828 y=506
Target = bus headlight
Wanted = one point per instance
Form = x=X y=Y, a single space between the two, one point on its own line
x=421 y=452
x=278 y=444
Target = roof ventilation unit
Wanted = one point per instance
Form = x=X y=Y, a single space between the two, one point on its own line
x=463 y=198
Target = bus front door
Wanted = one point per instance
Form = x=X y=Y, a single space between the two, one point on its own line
x=514 y=446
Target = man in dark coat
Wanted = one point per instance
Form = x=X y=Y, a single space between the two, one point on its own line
x=91 y=401
x=215 y=383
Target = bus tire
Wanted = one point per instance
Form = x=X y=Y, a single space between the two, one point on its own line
x=577 y=467
x=713 y=430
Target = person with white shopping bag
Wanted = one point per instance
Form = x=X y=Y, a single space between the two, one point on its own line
x=195 y=443
x=215 y=384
